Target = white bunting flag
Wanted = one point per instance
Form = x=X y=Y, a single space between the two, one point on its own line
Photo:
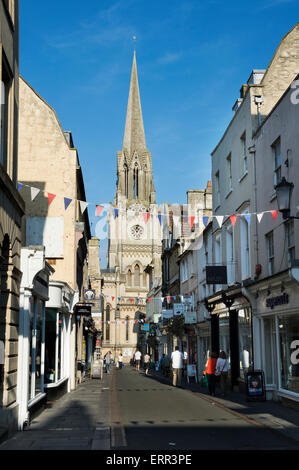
x=34 y=192
x=83 y=205
x=259 y=216
x=220 y=219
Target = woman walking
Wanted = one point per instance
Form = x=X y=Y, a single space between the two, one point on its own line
x=222 y=367
x=210 y=373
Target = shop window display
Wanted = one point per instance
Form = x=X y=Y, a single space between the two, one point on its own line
x=288 y=330
x=245 y=341
x=50 y=346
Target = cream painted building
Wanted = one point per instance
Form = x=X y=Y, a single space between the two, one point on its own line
x=53 y=187
x=134 y=237
x=11 y=213
x=235 y=186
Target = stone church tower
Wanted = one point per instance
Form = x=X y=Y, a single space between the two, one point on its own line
x=134 y=243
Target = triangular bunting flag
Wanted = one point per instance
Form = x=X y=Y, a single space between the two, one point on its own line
x=150 y=299
x=205 y=220
x=118 y=298
x=51 y=197
x=67 y=202
x=115 y=213
x=220 y=219
x=34 y=192
x=112 y=298
x=146 y=216
x=161 y=218
x=168 y=299
x=233 y=219
x=191 y=219
x=20 y=186
x=259 y=216
x=99 y=210
x=83 y=205
x=274 y=214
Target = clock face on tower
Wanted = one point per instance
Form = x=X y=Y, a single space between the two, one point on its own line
x=136 y=232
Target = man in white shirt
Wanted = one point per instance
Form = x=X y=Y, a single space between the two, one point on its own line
x=177 y=366
x=137 y=359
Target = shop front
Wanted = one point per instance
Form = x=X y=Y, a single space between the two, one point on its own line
x=59 y=353
x=277 y=323
x=231 y=332
x=32 y=324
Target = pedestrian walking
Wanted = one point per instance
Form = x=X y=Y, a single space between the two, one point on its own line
x=108 y=360
x=222 y=367
x=177 y=366
x=147 y=361
x=120 y=360
x=138 y=359
x=210 y=372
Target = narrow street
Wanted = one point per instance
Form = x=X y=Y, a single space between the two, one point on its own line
x=130 y=411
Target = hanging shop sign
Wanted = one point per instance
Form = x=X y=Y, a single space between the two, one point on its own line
x=83 y=309
x=89 y=294
x=166 y=314
x=271 y=302
x=178 y=309
x=216 y=275
x=255 y=385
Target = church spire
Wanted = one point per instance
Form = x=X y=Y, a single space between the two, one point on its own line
x=134 y=137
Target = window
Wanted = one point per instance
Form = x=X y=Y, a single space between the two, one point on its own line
x=218 y=255
x=229 y=183
x=270 y=252
x=126 y=180
x=288 y=333
x=191 y=264
x=244 y=152
x=135 y=183
x=5 y=88
x=277 y=161
x=245 y=248
x=217 y=189
x=137 y=276
x=290 y=241
x=230 y=255
x=129 y=278
x=107 y=326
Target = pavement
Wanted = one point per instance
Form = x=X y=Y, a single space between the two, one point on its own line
x=122 y=409
x=270 y=414
x=79 y=420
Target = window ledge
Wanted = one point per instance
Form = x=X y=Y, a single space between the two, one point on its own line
x=56 y=384
x=243 y=176
x=217 y=207
x=273 y=197
x=229 y=192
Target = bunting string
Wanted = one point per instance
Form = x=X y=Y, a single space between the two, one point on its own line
x=162 y=211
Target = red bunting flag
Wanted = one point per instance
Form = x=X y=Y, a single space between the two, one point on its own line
x=274 y=214
x=146 y=216
x=99 y=210
x=51 y=197
x=132 y=300
x=233 y=219
x=191 y=220
x=112 y=298
x=168 y=299
x=150 y=299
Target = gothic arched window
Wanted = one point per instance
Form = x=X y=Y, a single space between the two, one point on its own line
x=126 y=179
x=137 y=276
x=135 y=183
x=129 y=278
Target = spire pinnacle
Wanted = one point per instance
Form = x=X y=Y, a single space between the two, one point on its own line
x=134 y=137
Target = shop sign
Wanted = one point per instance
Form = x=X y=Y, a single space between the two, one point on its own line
x=279 y=300
x=89 y=294
x=216 y=275
x=145 y=327
x=166 y=314
x=178 y=309
x=255 y=385
x=190 y=317
x=83 y=309
x=191 y=370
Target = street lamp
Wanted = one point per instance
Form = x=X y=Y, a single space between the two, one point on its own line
x=283 y=192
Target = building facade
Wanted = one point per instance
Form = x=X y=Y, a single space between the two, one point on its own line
x=134 y=238
x=53 y=189
x=11 y=214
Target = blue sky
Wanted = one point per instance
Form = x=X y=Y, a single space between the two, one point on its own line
x=192 y=58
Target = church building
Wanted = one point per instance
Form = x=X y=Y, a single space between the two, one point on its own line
x=134 y=240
